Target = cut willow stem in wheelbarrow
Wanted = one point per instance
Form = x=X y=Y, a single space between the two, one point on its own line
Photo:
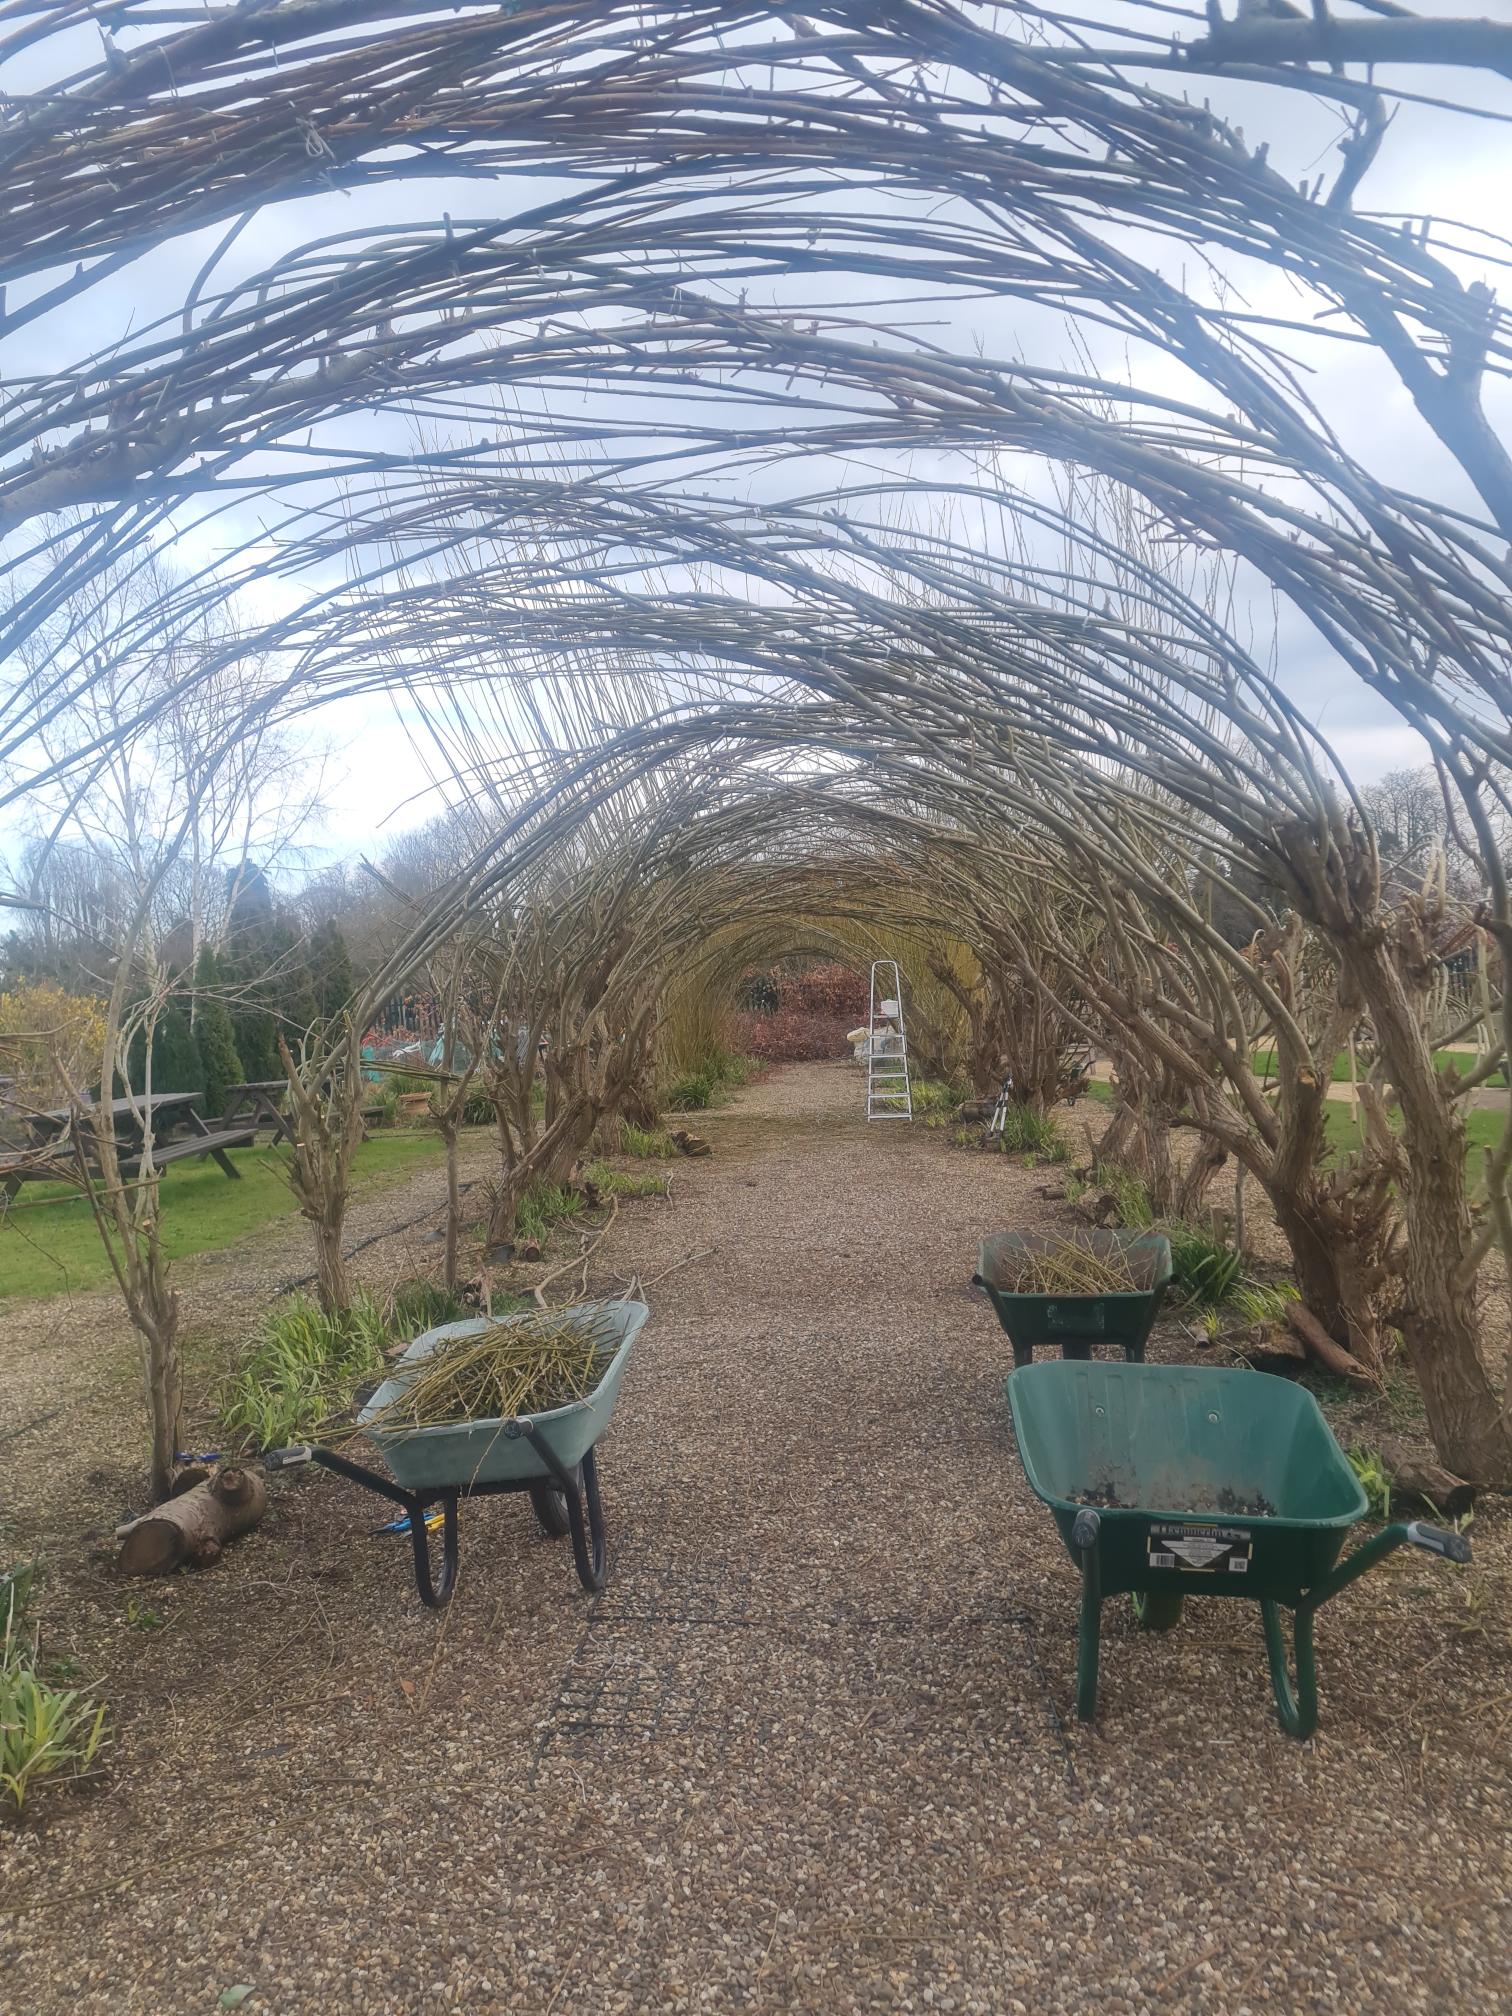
x=512 y=1369
x=1068 y=1267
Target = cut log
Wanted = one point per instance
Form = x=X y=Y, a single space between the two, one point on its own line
x=1419 y=1477
x=1343 y=1364
x=1266 y=1347
x=191 y=1529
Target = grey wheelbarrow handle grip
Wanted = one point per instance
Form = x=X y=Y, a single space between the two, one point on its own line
x=1439 y=1540
x=287 y=1459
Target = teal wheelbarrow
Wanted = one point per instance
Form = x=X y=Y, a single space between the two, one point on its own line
x=1169 y=1481
x=550 y=1456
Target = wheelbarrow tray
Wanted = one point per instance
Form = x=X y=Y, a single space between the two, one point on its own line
x=1168 y=1481
x=1206 y=1482
x=472 y=1453
x=1076 y=1322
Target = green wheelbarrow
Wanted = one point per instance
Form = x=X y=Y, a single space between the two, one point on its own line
x=1169 y=1481
x=1076 y=1322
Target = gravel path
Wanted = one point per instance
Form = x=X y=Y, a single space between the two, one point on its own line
x=812 y=1749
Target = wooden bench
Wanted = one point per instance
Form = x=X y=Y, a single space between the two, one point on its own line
x=213 y=1143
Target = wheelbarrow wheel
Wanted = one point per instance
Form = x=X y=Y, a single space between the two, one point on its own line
x=435 y=1589
x=1157 y=1612
x=587 y=1538
x=550 y=1508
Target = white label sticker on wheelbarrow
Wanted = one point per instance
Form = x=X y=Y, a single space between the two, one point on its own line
x=1215 y=1550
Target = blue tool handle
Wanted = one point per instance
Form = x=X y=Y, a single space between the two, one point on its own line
x=1439 y=1540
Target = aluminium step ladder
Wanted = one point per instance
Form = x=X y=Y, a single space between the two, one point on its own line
x=889 y=1095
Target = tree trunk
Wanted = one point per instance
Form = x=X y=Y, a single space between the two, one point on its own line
x=332 y=1283
x=1114 y=1141
x=453 y=1205
x=193 y=1527
x=1314 y=1260
x=1191 y=1191
x=1440 y=1316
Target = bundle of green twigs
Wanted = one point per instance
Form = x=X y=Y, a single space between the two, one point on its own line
x=509 y=1369
x=1069 y=1266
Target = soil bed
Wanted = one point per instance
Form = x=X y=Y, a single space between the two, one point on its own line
x=812 y=1749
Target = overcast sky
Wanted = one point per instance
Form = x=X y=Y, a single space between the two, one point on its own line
x=1432 y=162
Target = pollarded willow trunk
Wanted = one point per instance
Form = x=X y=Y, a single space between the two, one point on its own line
x=1207 y=1159
x=154 y=1308
x=1440 y=1314
x=1138 y=1138
x=982 y=1006
x=328 y=1112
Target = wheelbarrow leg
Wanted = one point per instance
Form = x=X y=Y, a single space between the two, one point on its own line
x=575 y=1486
x=1089 y=1625
x=435 y=1593
x=1296 y=1706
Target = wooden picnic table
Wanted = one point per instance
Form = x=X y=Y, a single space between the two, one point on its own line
x=258 y=1105
x=47 y=1153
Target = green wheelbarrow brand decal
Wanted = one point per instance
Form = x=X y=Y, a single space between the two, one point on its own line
x=1135 y=1461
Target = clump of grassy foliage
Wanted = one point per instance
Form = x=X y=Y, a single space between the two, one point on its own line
x=1205 y=1268
x=418 y=1304
x=45 y=1731
x=1263 y=1301
x=646 y=1144
x=934 y=1101
x=1131 y=1198
x=1375 y=1480
x=690 y=1094
x=697 y=1090
x=1027 y=1132
x=301 y=1371
x=542 y=1206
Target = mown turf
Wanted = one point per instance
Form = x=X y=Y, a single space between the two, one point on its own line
x=1483 y=1127
x=1265 y=1064
x=49 y=1245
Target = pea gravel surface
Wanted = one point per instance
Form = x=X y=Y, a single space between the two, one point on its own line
x=812 y=1749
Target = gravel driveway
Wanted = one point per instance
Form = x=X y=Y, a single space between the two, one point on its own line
x=812 y=1749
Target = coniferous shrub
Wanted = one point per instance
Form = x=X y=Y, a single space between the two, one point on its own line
x=216 y=1035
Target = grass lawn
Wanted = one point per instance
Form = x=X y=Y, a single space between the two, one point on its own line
x=1482 y=1127
x=1265 y=1064
x=48 y=1241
